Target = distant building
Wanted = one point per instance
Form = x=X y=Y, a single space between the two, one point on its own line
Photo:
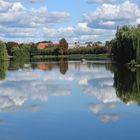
x=55 y=44
x=42 y=45
x=76 y=45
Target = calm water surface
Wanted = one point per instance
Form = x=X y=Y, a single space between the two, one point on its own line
x=69 y=101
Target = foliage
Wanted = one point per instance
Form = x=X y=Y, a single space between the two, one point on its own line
x=126 y=45
x=24 y=51
x=3 y=52
x=21 y=53
x=33 y=48
x=63 y=46
x=63 y=43
x=132 y=63
x=88 y=50
x=72 y=57
x=94 y=44
x=10 y=45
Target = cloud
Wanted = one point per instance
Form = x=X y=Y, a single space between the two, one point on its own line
x=99 y=24
x=20 y=22
x=101 y=1
x=81 y=32
x=109 y=16
x=31 y=1
x=27 y=22
x=19 y=16
x=33 y=24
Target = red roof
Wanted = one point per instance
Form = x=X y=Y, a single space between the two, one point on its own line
x=42 y=45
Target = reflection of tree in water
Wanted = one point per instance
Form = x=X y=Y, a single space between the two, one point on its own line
x=3 y=67
x=127 y=84
x=110 y=66
x=63 y=64
x=16 y=64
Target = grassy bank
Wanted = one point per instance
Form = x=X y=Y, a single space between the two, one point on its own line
x=74 y=57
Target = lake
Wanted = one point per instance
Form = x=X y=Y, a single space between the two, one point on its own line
x=69 y=101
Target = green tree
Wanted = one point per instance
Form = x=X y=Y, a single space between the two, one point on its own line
x=33 y=48
x=63 y=46
x=10 y=45
x=21 y=53
x=3 y=52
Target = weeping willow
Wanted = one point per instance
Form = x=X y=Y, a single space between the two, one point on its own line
x=127 y=44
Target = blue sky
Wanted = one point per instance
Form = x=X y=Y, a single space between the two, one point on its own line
x=76 y=20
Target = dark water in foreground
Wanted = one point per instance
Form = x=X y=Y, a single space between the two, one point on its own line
x=69 y=101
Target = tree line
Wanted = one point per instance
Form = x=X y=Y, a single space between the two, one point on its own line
x=26 y=50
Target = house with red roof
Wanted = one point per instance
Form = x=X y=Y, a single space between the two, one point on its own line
x=42 y=45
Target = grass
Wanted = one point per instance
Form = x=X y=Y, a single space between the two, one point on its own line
x=74 y=56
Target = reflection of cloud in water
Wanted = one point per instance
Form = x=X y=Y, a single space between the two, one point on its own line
x=15 y=108
x=104 y=94
x=23 y=85
x=97 y=82
x=100 y=84
x=2 y=122
x=22 y=75
x=38 y=85
x=17 y=89
x=97 y=107
x=69 y=77
x=33 y=107
x=108 y=117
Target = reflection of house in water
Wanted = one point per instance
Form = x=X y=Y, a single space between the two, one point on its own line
x=62 y=65
x=42 y=66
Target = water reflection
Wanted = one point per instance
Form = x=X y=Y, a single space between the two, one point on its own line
x=25 y=84
x=3 y=67
x=127 y=84
x=107 y=84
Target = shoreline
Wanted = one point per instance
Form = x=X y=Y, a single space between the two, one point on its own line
x=73 y=57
